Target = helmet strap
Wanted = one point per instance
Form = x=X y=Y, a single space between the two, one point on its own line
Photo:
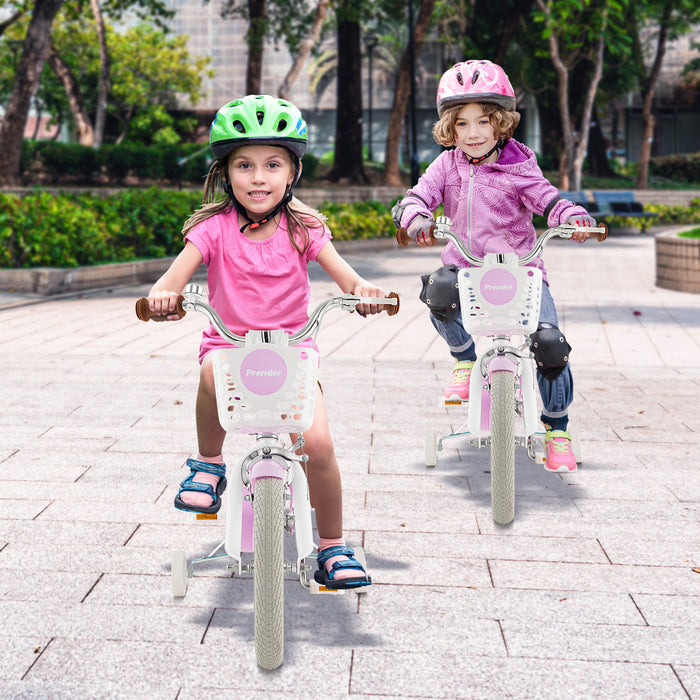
x=475 y=161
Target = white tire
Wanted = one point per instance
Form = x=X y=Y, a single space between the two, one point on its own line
x=178 y=573
x=502 y=447
x=268 y=572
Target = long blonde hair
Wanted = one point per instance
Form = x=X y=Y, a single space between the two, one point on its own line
x=300 y=217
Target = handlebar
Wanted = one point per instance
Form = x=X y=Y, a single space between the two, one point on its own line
x=191 y=300
x=443 y=226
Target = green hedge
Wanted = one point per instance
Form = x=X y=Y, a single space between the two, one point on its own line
x=72 y=230
x=67 y=230
x=359 y=220
x=51 y=162
x=683 y=166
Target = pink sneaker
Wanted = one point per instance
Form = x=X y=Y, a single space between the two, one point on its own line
x=458 y=388
x=559 y=455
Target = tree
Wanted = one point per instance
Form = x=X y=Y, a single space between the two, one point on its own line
x=103 y=81
x=402 y=94
x=576 y=32
x=31 y=63
x=671 y=20
x=305 y=47
x=347 y=159
x=81 y=118
x=156 y=74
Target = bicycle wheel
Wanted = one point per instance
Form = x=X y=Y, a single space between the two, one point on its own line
x=502 y=447
x=268 y=572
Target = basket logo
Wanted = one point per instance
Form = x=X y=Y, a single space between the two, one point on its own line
x=263 y=372
x=498 y=286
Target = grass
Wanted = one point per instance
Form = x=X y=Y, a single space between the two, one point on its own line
x=693 y=233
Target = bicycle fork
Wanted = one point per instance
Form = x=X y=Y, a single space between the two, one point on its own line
x=269 y=461
x=502 y=358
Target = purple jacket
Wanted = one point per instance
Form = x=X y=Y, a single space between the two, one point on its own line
x=490 y=204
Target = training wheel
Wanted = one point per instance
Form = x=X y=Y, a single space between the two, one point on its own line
x=431 y=448
x=575 y=443
x=178 y=573
x=360 y=556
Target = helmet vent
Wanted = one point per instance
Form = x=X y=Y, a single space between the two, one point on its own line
x=260 y=116
x=282 y=125
x=460 y=79
x=475 y=77
x=239 y=127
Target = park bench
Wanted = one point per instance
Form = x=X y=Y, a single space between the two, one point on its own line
x=579 y=197
x=609 y=203
x=619 y=203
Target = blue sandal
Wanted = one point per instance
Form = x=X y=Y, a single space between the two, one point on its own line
x=327 y=578
x=189 y=485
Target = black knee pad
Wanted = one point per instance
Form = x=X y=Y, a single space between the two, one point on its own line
x=550 y=349
x=441 y=294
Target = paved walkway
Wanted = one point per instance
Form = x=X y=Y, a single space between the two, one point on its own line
x=590 y=593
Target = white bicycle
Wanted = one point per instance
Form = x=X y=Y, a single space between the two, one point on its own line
x=265 y=387
x=500 y=300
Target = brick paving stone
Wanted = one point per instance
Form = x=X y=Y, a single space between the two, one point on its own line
x=590 y=592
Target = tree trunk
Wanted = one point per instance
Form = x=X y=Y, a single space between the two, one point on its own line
x=598 y=163
x=402 y=94
x=81 y=118
x=347 y=161
x=648 y=95
x=305 y=47
x=36 y=45
x=582 y=146
x=103 y=83
x=256 y=34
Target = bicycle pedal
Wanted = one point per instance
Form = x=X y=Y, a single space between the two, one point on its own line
x=206 y=516
x=316 y=587
x=453 y=402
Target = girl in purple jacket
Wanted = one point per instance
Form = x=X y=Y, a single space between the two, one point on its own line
x=490 y=185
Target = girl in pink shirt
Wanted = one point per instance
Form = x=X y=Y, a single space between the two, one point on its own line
x=256 y=244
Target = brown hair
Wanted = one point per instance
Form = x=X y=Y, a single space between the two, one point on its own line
x=300 y=217
x=503 y=122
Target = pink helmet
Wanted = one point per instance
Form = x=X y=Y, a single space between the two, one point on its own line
x=475 y=81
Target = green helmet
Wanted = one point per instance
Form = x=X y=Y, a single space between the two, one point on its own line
x=258 y=119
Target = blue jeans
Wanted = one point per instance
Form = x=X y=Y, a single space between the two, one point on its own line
x=557 y=395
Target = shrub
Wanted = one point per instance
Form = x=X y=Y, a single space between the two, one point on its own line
x=682 y=166
x=359 y=220
x=73 y=230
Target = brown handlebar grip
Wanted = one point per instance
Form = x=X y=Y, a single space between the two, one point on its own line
x=402 y=237
x=601 y=236
x=393 y=310
x=144 y=313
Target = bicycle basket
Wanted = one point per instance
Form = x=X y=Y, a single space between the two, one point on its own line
x=266 y=388
x=500 y=299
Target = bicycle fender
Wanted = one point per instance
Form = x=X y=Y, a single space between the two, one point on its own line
x=477 y=391
x=234 y=516
x=531 y=421
x=302 y=513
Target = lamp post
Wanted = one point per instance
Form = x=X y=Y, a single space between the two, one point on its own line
x=371 y=40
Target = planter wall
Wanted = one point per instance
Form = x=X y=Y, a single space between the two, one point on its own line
x=678 y=262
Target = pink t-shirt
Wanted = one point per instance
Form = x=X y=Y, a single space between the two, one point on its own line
x=254 y=285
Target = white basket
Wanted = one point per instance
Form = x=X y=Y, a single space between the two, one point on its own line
x=266 y=388
x=500 y=299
